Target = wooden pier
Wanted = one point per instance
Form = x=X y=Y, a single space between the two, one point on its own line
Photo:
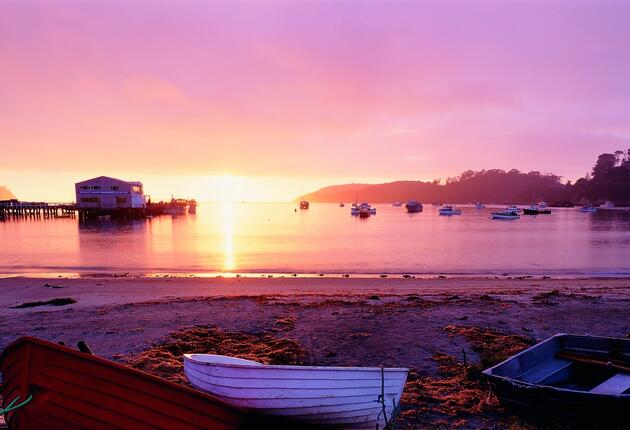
x=15 y=209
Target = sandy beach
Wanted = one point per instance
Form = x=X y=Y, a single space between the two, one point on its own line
x=429 y=325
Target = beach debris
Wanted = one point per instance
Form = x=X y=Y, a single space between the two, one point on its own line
x=374 y=297
x=52 y=286
x=284 y=324
x=54 y=302
x=165 y=358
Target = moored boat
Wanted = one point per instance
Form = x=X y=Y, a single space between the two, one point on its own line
x=588 y=209
x=505 y=214
x=324 y=396
x=542 y=204
x=397 y=204
x=516 y=209
x=304 y=204
x=364 y=213
x=77 y=390
x=413 y=206
x=450 y=210
x=577 y=376
x=342 y=204
x=479 y=205
x=536 y=210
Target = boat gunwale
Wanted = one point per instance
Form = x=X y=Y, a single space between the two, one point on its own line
x=259 y=365
x=489 y=372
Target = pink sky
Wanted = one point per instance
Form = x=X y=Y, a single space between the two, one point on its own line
x=307 y=93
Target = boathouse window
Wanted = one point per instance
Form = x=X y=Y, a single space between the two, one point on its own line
x=114 y=188
x=121 y=200
x=85 y=187
x=137 y=189
x=96 y=187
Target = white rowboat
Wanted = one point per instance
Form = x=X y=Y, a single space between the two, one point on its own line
x=342 y=397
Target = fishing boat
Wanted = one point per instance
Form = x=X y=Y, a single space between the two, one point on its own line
x=364 y=213
x=76 y=390
x=357 y=397
x=542 y=204
x=354 y=210
x=588 y=209
x=505 y=214
x=516 y=209
x=397 y=204
x=413 y=206
x=450 y=210
x=479 y=205
x=568 y=374
x=304 y=204
x=342 y=204
x=536 y=210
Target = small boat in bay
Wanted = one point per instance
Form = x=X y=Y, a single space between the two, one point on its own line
x=508 y=214
x=77 y=390
x=304 y=204
x=570 y=375
x=450 y=210
x=588 y=209
x=516 y=209
x=317 y=395
x=413 y=206
x=536 y=210
x=364 y=212
x=342 y=204
x=479 y=205
x=397 y=204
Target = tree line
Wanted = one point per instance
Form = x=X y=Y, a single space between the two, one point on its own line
x=608 y=181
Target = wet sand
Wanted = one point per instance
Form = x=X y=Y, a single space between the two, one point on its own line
x=425 y=324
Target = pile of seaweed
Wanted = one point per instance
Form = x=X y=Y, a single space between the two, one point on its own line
x=458 y=396
x=165 y=359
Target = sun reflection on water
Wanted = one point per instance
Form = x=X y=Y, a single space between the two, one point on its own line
x=228 y=236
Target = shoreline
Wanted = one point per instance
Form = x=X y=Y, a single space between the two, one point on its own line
x=428 y=325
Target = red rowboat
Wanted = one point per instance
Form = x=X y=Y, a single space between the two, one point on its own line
x=75 y=390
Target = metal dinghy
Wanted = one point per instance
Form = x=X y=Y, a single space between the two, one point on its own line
x=568 y=375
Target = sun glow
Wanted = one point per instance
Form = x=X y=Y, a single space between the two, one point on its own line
x=228 y=236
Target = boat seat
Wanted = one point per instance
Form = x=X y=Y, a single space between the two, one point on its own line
x=543 y=370
x=615 y=385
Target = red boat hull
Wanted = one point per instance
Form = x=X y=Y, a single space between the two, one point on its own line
x=74 y=390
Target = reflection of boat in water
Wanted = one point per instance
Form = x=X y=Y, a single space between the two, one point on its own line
x=536 y=210
x=505 y=214
x=413 y=206
x=571 y=376
x=304 y=204
x=450 y=210
x=397 y=204
x=479 y=205
x=330 y=397
x=588 y=209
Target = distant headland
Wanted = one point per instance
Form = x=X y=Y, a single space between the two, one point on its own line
x=6 y=194
x=608 y=181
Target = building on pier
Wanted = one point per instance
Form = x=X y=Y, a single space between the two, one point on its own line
x=110 y=196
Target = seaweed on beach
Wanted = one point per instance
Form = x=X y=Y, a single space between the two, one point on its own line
x=458 y=396
x=165 y=359
x=54 y=302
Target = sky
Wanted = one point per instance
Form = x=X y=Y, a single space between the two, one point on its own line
x=272 y=99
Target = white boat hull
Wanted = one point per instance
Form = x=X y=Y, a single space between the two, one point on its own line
x=342 y=397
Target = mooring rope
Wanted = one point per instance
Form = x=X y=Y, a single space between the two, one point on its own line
x=12 y=406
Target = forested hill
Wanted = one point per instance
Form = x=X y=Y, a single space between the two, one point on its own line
x=609 y=180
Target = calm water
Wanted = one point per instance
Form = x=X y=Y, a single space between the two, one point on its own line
x=274 y=238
